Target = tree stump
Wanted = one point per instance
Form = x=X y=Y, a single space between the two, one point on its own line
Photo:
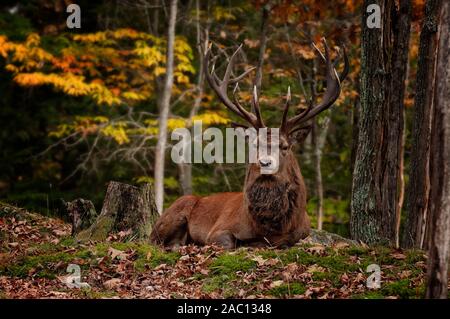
x=127 y=209
x=81 y=212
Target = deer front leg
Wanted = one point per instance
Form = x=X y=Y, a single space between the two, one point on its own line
x=223 y=238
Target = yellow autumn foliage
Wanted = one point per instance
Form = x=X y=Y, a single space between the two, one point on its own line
x=117 y=132
x=97 y=65
x=211 y=118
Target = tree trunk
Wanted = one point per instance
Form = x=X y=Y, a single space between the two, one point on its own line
x=318 y=142
x=439 y=249
x=396 y=125
x=185 y=169
x=164 y=108
x=383 y=72
x=185 y=178
x=401 y=186
x=262 y=46
x=355 y=132
x=126 y=209
x=419 y=180
x=81 y=212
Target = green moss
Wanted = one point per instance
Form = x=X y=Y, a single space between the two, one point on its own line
x=98 y=231
x=147 y=255
x=223 y=272
x=222 y=283
x=47 y=248
x=67 y=241
x=336 y=263
x=382 y=255
x=266 y=254
x=329 y=275
x=153 y=256
x=94 y=294
x=371 y=294
x=43 y=264
x=355 y=251
x=230 y=263
x=413 y=256
x=403 y=289
x=288 y=290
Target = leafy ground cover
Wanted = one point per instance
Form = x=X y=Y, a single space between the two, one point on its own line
x=36 y=250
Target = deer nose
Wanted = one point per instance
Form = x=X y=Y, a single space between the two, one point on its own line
x=265 y=162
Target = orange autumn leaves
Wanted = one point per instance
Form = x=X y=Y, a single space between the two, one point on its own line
x=112 y=67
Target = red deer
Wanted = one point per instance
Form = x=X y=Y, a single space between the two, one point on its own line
x=271 y=210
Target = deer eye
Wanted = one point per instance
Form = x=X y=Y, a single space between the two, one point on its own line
x=284 y=147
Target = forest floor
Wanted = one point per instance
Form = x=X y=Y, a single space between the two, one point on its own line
x=36 y=250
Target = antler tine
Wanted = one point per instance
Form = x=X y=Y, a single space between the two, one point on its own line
x=226 y=77
x=255 y=100
x=221 y=87
x=238 y=104
x=319 y=52
x=240 y=77
x=331 y=94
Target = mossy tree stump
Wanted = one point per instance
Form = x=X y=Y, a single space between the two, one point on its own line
x=126 y=208
x=81 y=213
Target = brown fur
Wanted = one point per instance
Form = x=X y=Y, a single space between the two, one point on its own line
x=270 y=211
x=272 y=208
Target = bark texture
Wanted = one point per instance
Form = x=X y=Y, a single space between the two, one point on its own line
x=126 y=208
x=418 y=188
x=164 y=108
x=319 y=136
x=376 y=172
x=185 y=169
x=81 y=213
x=439 y=249
x=262 y=46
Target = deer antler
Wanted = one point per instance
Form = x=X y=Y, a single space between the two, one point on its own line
x=221 y=89
x=288 y=126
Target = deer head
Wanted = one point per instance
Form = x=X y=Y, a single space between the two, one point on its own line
x=291 y=130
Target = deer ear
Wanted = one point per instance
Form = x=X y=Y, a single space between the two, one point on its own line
x=299 y=136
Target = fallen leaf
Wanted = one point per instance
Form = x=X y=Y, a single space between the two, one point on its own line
x=344 y=278
x=58 y=232
x=341 y=244
x=112 y=283
x=115 y=253
x=261 y=261
x=398 y=255
x=405 y=274
x=59 y=293
x=204 y=272
x=162 y=266
x=316 y=249
x=184 y=258
x=149 y=255
x=276 y=283
x=315 y=268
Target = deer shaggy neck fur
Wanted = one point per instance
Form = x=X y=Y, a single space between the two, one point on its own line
x=272 y=199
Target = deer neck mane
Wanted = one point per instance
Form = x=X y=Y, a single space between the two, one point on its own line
x=272 y=201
